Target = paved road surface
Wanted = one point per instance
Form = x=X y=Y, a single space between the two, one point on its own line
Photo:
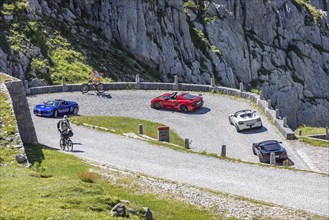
x=299 y=190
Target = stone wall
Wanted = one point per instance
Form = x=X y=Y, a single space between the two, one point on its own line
x=263 y=104
x=22 y=112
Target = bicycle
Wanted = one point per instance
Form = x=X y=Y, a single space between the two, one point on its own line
x=86 y=87
x=66 y=142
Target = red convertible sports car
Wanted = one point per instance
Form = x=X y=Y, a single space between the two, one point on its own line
x=184 y=102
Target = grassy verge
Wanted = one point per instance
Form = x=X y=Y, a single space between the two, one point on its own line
x=121 y=125
x=61 y=186
x=306 y=130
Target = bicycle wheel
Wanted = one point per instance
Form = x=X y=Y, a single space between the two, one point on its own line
x=100 y=88
x=62 y=144
x=84 y=88
x=69 y=145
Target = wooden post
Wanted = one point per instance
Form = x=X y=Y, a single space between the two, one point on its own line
x=187 y=143
x=137 y=82
x=223 y=153
x=64 y=86
x=300 y=133
x=140 y=129
x=277 y=114
x=241 y=87
x=269 y=104
x=212 y=82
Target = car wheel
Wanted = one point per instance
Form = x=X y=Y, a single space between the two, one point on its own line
x=261 y=159
x=253 y=150
x=157 y=105
x=184 y=108
x=55 y=113
x=237 y=128
x=75 y=111
x=229 y=119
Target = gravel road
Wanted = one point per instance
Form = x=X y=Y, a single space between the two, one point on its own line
x=208 y=128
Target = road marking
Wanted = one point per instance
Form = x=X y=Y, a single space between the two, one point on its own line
x=307 y=160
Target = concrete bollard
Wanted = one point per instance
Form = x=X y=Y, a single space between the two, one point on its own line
x=277 y=113
x=187 y=143
x=140 y=129
x=65 y=89
x=176 y=79
x=300 y=133
x=223 y=153
x=285 y=124
x=272 y=158
x=269 y=104
x=241 y=87
x=327 y=133
x=212 y=82
x=137 y=82
x=26 y=84
x=261 y=95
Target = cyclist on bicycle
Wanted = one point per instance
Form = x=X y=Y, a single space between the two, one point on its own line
x=64 y=127
x=95 y=78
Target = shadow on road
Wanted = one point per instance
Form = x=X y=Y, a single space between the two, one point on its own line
x=200 y=111
x=100 y=95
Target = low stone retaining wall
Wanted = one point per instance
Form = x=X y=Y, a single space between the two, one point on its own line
x=279 y=122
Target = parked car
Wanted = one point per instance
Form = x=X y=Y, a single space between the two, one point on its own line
x=183 y=102
x=54 y=108
x=264 y=149
x=245 y=119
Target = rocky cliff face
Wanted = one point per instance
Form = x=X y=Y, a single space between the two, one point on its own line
x=280 y=47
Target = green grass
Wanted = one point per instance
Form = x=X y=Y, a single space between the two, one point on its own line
x=307 y=130
x=122 y=125
x=61 y=186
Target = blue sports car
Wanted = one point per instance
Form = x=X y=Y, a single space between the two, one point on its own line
x=54 y=108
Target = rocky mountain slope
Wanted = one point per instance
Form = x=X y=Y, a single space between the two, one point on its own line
x=280 y=47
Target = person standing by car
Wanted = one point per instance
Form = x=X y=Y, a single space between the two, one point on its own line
x=95 y=77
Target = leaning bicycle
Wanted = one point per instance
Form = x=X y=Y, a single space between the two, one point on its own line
x=66 y=143
x=86 y=87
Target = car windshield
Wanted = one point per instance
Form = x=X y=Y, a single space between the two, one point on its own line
x=270 y=145
x=249 y=115
x=189 y=96
x=52 y=103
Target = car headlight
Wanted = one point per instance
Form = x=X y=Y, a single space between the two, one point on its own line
x=240 y=123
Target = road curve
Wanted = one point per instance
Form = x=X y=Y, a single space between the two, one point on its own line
x=300 y=190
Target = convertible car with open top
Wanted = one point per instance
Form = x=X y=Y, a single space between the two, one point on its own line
x=183 y=102
x=55 y=108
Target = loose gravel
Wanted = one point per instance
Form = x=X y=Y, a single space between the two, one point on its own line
x=294 y=189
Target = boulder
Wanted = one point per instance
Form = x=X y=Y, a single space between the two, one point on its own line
x=119 y=210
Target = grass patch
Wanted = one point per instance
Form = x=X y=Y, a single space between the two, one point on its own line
x=307 y=130
x=121 y=125
x=55 y=190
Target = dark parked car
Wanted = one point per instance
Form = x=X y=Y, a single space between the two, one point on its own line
x=263 y=150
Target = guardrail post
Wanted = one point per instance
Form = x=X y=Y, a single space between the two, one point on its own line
x=176 y=79
x=272 y=158
x=277 y=113
x=212 y=82
x=285 y=123
x=137 y=82
x=64 y=86
x=175 y=86
x=241 y=87
x=327 y=133
x=140 y=129
x=269 y=104
x=187 y=143
x=261 y=95
x=223 y=153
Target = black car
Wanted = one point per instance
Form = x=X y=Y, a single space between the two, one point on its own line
x=264 y=149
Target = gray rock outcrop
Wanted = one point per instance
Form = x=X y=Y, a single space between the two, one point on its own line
x=277 y=46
